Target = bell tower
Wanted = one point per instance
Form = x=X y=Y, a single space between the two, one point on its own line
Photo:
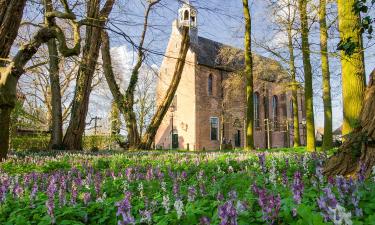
x=187 y=17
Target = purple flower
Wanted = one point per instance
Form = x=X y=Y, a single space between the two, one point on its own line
x=176 y=189
x=361 y=172
x=269 y=203
x=124 y=209
x=284 y=178
x=204 y=221
x=98 y=184
x=50 y=204
x=326 y=201
x=220 y=196
x=228 y=213
x=202 y=189
x=297 y=187
x=86 y=198
x=192 y=193
x=262 y=161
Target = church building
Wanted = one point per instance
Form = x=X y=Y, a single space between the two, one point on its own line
x=210 y=103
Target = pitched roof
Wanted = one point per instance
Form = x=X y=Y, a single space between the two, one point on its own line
x=220 y=56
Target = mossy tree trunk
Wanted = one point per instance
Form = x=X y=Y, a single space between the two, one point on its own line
x=353 y=68
x=309 y=105
x=56 y=125
x=292 y=68
x=74 y=134
x=326 y=81
x=249 y=145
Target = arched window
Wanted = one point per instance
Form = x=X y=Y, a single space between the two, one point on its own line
x=256 y=110
x=291 y=108
x=186 y=15
x=210 y=84
x=275 y=111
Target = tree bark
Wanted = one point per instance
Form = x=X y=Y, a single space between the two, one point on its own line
x=353 y=68
x=327 y=102
x=56 y=108
x=309 y=105
x=292 y=67
x=76 y=128
x=4 y=131
x=11 y=12
x=249 y=79
x=150 y=133
x=359 y=147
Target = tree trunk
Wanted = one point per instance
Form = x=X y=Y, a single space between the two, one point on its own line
x=249 y=79
x=292 y=67
x=353 y=68
x=76 y=128
x=11 y=12
x=56 y=128
x=359 y=147
x=327 y=137
x=149 y=136
x=309 y=105
x=56 y=125
x=4 y=131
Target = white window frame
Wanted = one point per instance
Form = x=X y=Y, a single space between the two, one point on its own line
x=218 y=126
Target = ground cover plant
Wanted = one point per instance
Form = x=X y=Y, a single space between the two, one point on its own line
x=277 y=187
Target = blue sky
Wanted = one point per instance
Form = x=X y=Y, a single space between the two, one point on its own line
x=221 y=20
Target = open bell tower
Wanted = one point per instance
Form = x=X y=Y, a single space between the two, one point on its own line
x=187 y=17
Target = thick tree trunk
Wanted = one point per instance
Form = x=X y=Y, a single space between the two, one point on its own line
x=359 y=147
x=353 y=68
x=56 y=109
x=249 y=79
x=309 y=105
x=292 y=67
x=56 y=126
x=11 y=12
x=327 y=137
x=76 y=128
x=4 y=131
x=150 y=133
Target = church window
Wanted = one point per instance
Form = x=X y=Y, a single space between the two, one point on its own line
x=291 y=108
x=256 y=110
x=210 y=84
x=186 y=15
x=275 y=112
x=214 y=133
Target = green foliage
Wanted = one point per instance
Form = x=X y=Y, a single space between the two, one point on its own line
x=360 y=7
x=222 y=173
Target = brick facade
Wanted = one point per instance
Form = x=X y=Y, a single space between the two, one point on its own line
x=202 y=95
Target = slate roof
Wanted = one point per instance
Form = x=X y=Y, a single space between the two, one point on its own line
x=208 y=54
x=220 y=56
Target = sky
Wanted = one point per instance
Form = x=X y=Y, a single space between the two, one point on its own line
x=222 y=21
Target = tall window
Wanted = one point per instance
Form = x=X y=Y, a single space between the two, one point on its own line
x=210 y=84
x=256 y=110
x=186 y=15
x=291 y=108
x=214 y=121
x=275 y=111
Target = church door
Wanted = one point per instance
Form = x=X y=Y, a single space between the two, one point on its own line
x=237 y=139
x=174 y=141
